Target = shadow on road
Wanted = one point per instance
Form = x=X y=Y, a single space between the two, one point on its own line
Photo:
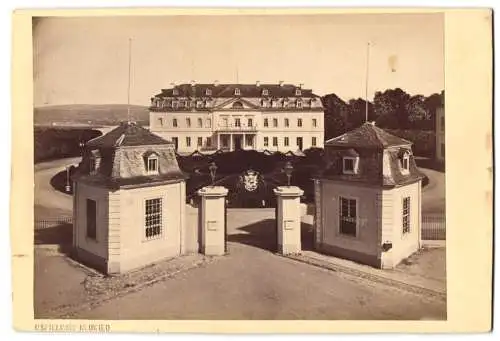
x=59 y=234
x=263 y=235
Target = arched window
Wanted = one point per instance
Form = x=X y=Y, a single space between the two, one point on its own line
x=237 y=105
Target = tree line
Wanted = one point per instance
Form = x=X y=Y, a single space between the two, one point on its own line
x=392 y=109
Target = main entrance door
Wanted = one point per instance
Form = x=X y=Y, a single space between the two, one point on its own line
x=237 y=142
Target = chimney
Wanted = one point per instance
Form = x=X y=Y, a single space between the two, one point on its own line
x=172 y=84
x=216 y=82
x=193 y=83
x=257 y=83
x=281 y=83
x=301 y=85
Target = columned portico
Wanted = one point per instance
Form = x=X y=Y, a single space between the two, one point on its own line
x=236 y=141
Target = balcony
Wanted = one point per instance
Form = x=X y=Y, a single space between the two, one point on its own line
x=236 y=128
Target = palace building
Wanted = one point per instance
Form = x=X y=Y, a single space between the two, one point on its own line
x=209 y=117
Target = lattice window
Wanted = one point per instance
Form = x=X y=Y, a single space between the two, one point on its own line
x=406 y=215
x=153 y=218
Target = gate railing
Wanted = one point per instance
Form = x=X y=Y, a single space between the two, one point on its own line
x=48 y=223
x=434 y=227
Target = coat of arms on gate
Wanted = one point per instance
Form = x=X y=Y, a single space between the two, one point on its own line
x=250 y=180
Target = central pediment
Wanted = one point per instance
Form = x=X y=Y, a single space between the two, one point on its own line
x=237 y=104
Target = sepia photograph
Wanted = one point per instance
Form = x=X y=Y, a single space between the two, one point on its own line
x=240 y=167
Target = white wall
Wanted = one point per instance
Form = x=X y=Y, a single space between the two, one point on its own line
x=99 y=246
x=367 y=239
x=403 y=245
x=135 y=249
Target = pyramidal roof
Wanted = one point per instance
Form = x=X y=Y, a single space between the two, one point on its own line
x=369 y=136
x=127 y=134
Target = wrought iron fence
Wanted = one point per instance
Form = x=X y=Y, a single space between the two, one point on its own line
x=48 y=223
x=433 y=227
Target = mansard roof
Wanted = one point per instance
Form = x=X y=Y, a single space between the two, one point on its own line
x=228 y=90
x=380 y=158
x=120 y=158
x=127 y=134
x=368 y=136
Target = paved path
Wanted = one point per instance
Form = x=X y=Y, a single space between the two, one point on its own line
x=433 y=195
x=50 y=203
x=252 y=283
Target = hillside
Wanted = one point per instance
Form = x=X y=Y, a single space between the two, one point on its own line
x=106 y=114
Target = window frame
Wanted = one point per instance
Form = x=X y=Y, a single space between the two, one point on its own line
x=266 y=141
x=188 y=122
x=175 y=124
x=313 y=141
x=275 y=123
x=208 y=92
x=299 y=122
x=188 y=141
x=160 y=219
x=266 y=122
x=355 y=160
x=199 y=141
x=237 y=92
x=275 y=141
x=286 y=141
x=287 y=123
x=406 y=216
x=149 y=169
x=199 y=122
x=237 y=122
x=405 y=161
x=250 y=122
x=315 y=123
x=298 y=92
x=265 y=92
x=356 y=217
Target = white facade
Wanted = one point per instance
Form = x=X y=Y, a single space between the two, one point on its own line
x=233 y=123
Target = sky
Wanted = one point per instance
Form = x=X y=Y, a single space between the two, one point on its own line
x=84 y=60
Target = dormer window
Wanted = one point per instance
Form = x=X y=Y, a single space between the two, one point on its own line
x=208 y=92
x=350 y=164
x=94 y=162
x=299 y=104
x=237 y=92
x=298 y=92
x=151 y=160
x=405 y=162
x=175 y=92
x=265 y=92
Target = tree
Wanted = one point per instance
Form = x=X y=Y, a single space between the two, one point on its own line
x=418 y=113
x=390 y=108
x=336 y=115
x=357 y=113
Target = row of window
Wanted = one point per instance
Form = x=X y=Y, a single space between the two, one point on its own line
x=237 y=92
x=153 y=225
x=286 y=141
x=150 y=163
x=348 y=217
x=237 y=122
x=350 y=164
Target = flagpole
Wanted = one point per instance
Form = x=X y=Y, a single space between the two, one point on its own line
x=129 y=67
x=366 y=79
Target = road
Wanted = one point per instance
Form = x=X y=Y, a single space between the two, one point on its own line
x=252 y=283
x=50 y=203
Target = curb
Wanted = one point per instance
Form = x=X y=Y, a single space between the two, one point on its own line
x=369 y=276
